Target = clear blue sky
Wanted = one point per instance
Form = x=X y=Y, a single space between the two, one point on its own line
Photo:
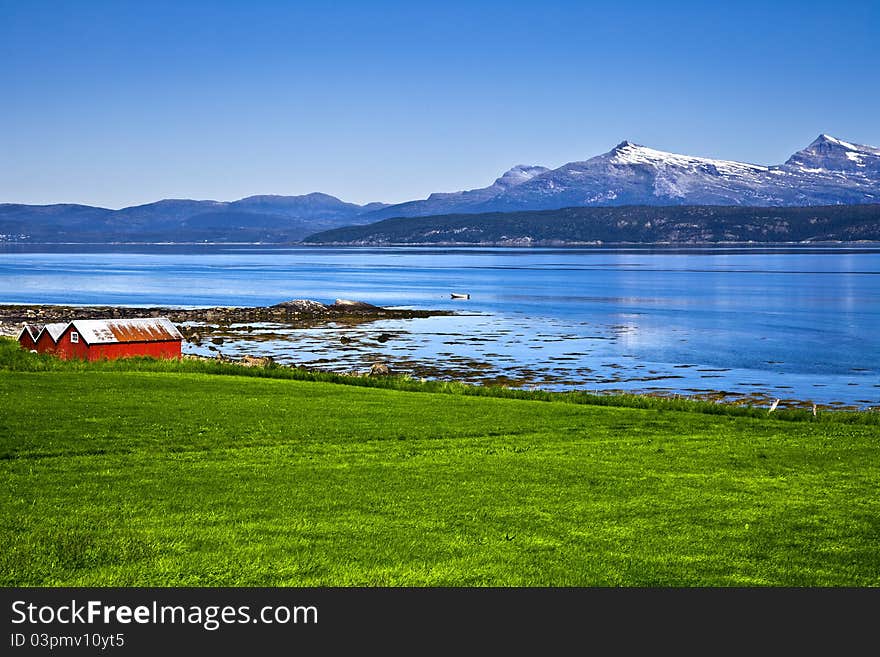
x=118 y=103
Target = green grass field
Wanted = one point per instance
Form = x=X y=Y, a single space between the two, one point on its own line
x=115 y=475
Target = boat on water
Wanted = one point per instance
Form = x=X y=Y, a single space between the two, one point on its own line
x=458 y=295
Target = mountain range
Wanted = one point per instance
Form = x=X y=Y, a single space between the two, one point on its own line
x=828 y=172
x=252 y=219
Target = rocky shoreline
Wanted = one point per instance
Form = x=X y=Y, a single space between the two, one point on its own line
x=296 y=312
x=341 y=340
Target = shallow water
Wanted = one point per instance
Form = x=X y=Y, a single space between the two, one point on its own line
x=789 y=323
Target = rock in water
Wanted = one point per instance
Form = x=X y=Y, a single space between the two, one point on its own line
x=302 y=305
x=380 y=369
x=347 y=304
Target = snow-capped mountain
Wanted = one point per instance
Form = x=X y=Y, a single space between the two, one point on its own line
x=829 y=171
x=448 y=202
x=828 y=154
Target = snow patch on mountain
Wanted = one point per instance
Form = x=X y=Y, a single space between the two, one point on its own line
x=633 y=154
x=518 y=175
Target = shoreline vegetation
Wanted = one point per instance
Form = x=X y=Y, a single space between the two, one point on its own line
x=140 y=472
x=621 y=225
x=13 y=358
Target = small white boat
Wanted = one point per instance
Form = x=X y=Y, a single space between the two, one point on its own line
x=456 y=295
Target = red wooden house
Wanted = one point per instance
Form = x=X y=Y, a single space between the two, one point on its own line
x=40 y=337
x=28 y=336
x=94 y=339
x=47 y=338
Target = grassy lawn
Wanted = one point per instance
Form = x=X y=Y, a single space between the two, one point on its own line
x=125 y=478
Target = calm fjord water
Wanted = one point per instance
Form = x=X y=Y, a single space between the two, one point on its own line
x=793 y=323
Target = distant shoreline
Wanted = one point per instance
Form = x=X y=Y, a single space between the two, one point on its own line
x=512 y=245
x=600 y=245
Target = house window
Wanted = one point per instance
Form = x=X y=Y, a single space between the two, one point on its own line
x=74 y=337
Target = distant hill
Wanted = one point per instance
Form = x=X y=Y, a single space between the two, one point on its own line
x=252 y=219
x=629 y=224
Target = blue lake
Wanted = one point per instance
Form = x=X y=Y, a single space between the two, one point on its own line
x=789 y=323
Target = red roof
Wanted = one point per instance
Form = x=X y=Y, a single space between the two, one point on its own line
x=105 y=331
